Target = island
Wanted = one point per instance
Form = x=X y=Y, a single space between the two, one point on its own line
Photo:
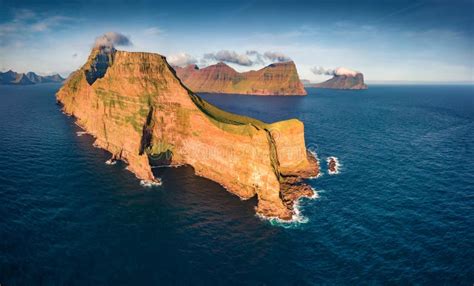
x=344 y=78
x=274 y=79
x=13 y=78
x=139 y=110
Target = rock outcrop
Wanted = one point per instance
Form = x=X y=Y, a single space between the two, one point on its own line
x=136 y=108
x=344 y=81
x=11 y=77
x=274 y=79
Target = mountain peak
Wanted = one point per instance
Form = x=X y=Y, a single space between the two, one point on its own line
x=274 y=79
x=11 y=77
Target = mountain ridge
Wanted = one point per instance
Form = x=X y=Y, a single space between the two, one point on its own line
x=13 y=78
x=274 y=79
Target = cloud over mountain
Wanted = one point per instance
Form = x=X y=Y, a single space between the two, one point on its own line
x=112 y=39
x=338 y=71
x=249 y=58
x=181 y=59
x=229 y=57
x=276 y=57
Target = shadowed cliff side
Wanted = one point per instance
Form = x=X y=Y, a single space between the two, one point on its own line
x=136 y=108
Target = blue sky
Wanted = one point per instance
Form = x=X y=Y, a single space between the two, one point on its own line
x=425 y=41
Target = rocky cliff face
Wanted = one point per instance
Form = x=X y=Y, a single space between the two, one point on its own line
x=11 y=77
x=344 y=81
x=138 y=109
x=275 y=79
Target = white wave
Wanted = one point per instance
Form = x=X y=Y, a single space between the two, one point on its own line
x=319 y=165
x=297 y=219
x=111 y=161
x=149 y=184
x=337 y=168
x=320 y=174
x=80 y=133
x=168 y=166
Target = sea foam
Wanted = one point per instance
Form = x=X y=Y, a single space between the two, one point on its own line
x=320 y=173
x=149 y=184
x=297 y=219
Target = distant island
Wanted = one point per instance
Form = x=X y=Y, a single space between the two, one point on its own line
x=137 y=109
x=13 y=78
x=306 y=82
x=343 y=78
x=274 y=79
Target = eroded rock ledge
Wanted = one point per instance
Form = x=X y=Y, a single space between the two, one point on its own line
x=138 y=109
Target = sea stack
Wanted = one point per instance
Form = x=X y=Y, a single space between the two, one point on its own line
x=274 y=79
x=344 y=78
x=137 y=109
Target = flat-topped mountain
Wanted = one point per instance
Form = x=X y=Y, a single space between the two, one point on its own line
x=344 y=79
x=274 y=79
x=11 y=77
x=137 y=109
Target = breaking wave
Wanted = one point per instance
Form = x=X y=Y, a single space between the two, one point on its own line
x=149 y=184
x=319 y=164
x=297 y=219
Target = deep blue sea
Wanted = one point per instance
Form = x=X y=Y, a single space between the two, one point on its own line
x=401 y=211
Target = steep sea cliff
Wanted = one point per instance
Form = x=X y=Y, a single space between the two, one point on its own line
x=137 y=109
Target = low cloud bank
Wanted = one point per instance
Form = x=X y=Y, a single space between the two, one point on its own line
x=181 y=59
x=276 y=57
x=229 y=57
x=338 y=71
x=249 y=58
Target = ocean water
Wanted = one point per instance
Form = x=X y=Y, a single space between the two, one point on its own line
x=401 y=210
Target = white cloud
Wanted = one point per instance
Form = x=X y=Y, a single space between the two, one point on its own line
x=26 y=23
x=181 y=59
x=345 y=71
x=229 y=57
x=338 y=71
x=276 y=57
x=112 y=39
x=249 y=58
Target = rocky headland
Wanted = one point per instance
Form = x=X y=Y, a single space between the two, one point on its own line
x=136 y=108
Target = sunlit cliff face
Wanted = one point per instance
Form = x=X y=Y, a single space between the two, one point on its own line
x=138 y=110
